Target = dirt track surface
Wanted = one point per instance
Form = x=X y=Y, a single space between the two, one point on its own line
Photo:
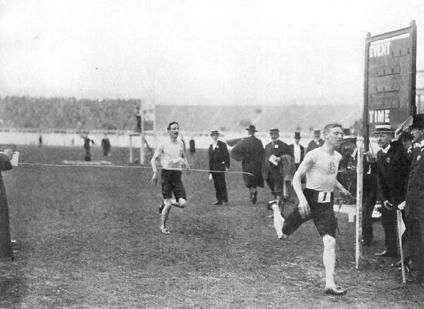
x=89 y=238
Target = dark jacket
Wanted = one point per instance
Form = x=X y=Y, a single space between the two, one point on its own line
x=312 y=144
x=392 y=171
x=219 y=158
x=5 y=242
x=106 y=144
x=250 y=152
x=415 y=194
x=192 y=145
x=277 y=149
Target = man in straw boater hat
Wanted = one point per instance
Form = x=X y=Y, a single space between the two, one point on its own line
x=273 y=167
x=415 y=201
x=219 y=162
x=316 y=201
x=250 y=152
x=392 y=173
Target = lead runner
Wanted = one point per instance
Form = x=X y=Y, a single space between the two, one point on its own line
x=172 y=159
x=316 y=201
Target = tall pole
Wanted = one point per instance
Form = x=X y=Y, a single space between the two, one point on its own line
x=131 y=160
x=412 y=107
x=359 y=193
x=365 y=120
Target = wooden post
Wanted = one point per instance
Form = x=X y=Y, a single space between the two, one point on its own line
x=131 y=160
x=142 y=148
x=359 y=193
x=365 y=116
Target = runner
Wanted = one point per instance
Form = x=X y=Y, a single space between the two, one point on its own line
x=172 y=159
x=316 y=200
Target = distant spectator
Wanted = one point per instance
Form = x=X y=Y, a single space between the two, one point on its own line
x=40 y=140
x=138 y=118
x=316 y=142
x=106 y=146
x=192 y=145
x=5 y=241
x=219 y=162
x=87 y=146
x=250 y=152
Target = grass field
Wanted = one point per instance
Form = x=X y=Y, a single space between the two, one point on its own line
x=88 y=237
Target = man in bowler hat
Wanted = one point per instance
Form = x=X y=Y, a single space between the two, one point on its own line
x=219 y=162
x=273 y=169
x=250 y=152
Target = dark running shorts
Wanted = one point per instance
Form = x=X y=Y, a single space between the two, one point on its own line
x=171 y=183
x=322 y=213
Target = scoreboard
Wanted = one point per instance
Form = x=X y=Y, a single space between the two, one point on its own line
x=390 y=68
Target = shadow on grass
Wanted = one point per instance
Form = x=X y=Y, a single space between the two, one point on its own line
x=12 y=284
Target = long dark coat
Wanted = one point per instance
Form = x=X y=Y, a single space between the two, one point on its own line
x=278 y=149
x=250 y=152
x=5 y=242
x=393 y=170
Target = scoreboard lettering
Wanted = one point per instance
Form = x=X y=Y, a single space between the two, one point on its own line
x=379 y=116
x=389 y=89
x=379 y=50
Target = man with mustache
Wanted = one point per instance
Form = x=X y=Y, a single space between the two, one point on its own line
x=172 y=158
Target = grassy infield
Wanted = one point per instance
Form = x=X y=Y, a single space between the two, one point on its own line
x=88 y=238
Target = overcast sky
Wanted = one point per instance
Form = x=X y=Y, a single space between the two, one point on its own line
x=194 y=51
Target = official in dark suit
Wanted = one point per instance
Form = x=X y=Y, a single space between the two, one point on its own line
x=219 y=162
x=369 y=197
x=192 y=145
x=273 y=171
x=392 y=175
x=415 y=200
x=316 y=142
x=296 y=150
x=5 y=241
x=250 y=152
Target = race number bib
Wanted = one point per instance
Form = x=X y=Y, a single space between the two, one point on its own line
x=324 y=197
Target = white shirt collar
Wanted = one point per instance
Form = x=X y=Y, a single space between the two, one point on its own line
x=386 y=150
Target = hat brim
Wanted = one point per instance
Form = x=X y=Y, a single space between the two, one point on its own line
x=383 y=131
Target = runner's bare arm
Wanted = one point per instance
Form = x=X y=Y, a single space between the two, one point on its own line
x=306 y=164
x=156 y=155
x=342 y=189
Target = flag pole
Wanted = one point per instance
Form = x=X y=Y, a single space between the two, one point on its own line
x=359 y=193
x=399 y=230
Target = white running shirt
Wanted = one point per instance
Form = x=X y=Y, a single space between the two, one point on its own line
x=171 y=155
x=322 y=174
